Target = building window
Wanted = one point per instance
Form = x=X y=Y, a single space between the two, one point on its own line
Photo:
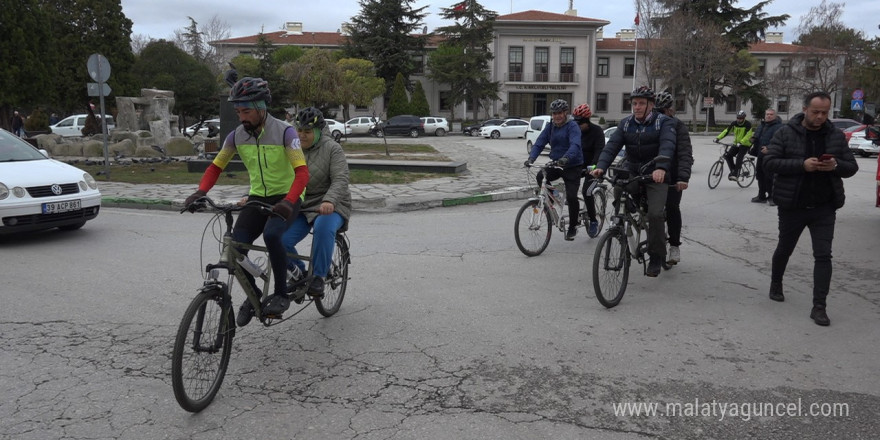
x=515 y=63
x=626 y=106
x=566 y=64
x=602 y=66
x=542 y=63
x=762 y=68
x=445 y=102
x=782 y=104
x=811 y=68
x=785 y=68
x=730 y=104
x=418 y=64
x=629 y=67
x=601 y=104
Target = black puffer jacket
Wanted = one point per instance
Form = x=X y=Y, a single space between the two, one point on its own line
x=684 y=153
x=643 y=140
x=787 y=152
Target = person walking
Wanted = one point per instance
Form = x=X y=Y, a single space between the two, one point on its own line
x=760 y=141
x=680 y=174
x=810 y=158
x=17 y=124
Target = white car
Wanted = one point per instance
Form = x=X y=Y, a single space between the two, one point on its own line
x=72 y=125
x=41 y=193
x=203 y=130
x=337 y=129
x=435 y=125
x=510 y=128
x=362 y=125
x=861 y=146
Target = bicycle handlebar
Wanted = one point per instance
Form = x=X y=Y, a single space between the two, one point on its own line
x=200 y=203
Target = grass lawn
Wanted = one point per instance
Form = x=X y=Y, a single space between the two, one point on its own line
x=175 y=172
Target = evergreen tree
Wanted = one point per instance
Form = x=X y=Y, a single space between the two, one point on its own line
x=193 y=40
x=418 y=106
x=463 y=59
x=165 y=66
x=740 y=26
x=398 y=103
x=383 y=33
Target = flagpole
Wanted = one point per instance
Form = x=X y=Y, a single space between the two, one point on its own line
x=636 y=46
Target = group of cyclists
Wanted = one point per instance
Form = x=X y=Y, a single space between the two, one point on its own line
x=301 y=172
x=578 y=146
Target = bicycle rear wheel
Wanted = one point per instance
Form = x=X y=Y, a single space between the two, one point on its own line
x=532 y=228
x=715 y=174
x=202 y=349
x=746 y=174
x=611 y=267
x=336 y=280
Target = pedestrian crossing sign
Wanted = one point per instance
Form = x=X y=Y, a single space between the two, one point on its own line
x=857 y=105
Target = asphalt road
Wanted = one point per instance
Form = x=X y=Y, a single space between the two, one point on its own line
x=448 y=332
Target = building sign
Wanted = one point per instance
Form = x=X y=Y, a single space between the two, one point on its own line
x=527 y=87
x=544 y=40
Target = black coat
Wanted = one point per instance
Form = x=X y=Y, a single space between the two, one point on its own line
x=684 y=153
x=787 y=152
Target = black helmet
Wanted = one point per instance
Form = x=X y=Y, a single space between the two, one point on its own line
x=309 y=118
x=558 y=105
x=250 y=89
x=740 y=114
x=663 y=101
x=642 y=92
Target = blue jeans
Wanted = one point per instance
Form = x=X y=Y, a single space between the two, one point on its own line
x=323 y=240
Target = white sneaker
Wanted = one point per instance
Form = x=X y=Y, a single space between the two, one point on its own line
x=674 y=255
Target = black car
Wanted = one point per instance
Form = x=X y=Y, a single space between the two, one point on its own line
x=406 y=125
x=474 y=130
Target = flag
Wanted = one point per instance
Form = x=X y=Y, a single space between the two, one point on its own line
x=459 y=8
x=637 y=19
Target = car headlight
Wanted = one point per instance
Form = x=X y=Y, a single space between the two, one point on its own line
x=4 y=192
x=90 y=181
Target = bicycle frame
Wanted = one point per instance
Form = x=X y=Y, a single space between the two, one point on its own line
x=632 y=220
x=558 y=211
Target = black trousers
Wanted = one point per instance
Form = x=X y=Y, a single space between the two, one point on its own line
x=588 y=198
x=820 y=221
x=765 y=180
x=740 y=153
x=673 y=216
x=572 y=178
x=251 y=223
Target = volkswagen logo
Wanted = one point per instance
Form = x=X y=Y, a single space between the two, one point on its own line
x=56 y=189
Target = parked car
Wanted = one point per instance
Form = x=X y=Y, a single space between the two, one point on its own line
x=474 y=130
x=204 y=129
x=435 y=125
x=37 y=192
x=848 y=132
x=73 y=125
x=620 y=155
x=361 y=125
x=536 y=125
x=407 y=125
x=337 y=129
x=510 y=128
x=861 y=146
x=843 y=123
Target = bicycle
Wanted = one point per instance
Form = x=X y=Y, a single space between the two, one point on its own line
x=203 y=343
x=532 y=227
x=746 y=172
x=622 y=242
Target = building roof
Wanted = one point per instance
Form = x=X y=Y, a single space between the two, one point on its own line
x=533 y=15
x=284 y=38
x=611 y=44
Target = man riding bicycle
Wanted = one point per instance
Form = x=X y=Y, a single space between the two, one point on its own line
x=564 y=137
x=270 y=150
x=646 y=135
x=742 y=138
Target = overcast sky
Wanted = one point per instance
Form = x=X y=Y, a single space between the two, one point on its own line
x=159 y=18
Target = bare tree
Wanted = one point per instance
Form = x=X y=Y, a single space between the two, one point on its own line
x=650 y=16
x=196 y=38
x=139 y=42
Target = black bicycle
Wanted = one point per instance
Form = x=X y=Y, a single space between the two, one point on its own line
x=746 y=172
x=204 y=339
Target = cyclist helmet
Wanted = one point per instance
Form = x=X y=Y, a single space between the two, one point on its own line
x=582 y=112
x=663 y=101
x=310 y=118
x=558 y=105
x=741 y=114
x=642 y=92
x=250 y=89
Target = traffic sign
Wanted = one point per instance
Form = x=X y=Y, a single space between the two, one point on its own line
x=99 y=67
x=857 y=105
x=95 y=91
x=858 y=94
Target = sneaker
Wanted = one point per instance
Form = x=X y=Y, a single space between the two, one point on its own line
x=674 y=255
x=771 y=202
x=245 y=313
x=293 y=277
x=776 y=291
x=759 y=199
x=276 y=305
x=572 y=232
x=654 y=267
x=316 y=287
x=819 y=316
x=593 y=230
x=731 y=177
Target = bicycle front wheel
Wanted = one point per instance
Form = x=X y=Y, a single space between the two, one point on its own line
x=600 y=200
x=532 y=229
x=611 y=267
x=336 y=281
x=201 y=350
x=746 y=174
x=715 y=174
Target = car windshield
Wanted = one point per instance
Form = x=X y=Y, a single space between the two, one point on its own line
x=13 y=149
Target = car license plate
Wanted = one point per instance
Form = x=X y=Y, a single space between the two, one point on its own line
x=67 y=205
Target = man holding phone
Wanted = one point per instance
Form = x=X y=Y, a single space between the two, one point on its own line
x=810 y=158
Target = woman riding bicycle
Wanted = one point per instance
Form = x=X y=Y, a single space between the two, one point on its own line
x=270 y=150
x=564 y=137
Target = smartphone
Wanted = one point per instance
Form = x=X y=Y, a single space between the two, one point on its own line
x=825 y=157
